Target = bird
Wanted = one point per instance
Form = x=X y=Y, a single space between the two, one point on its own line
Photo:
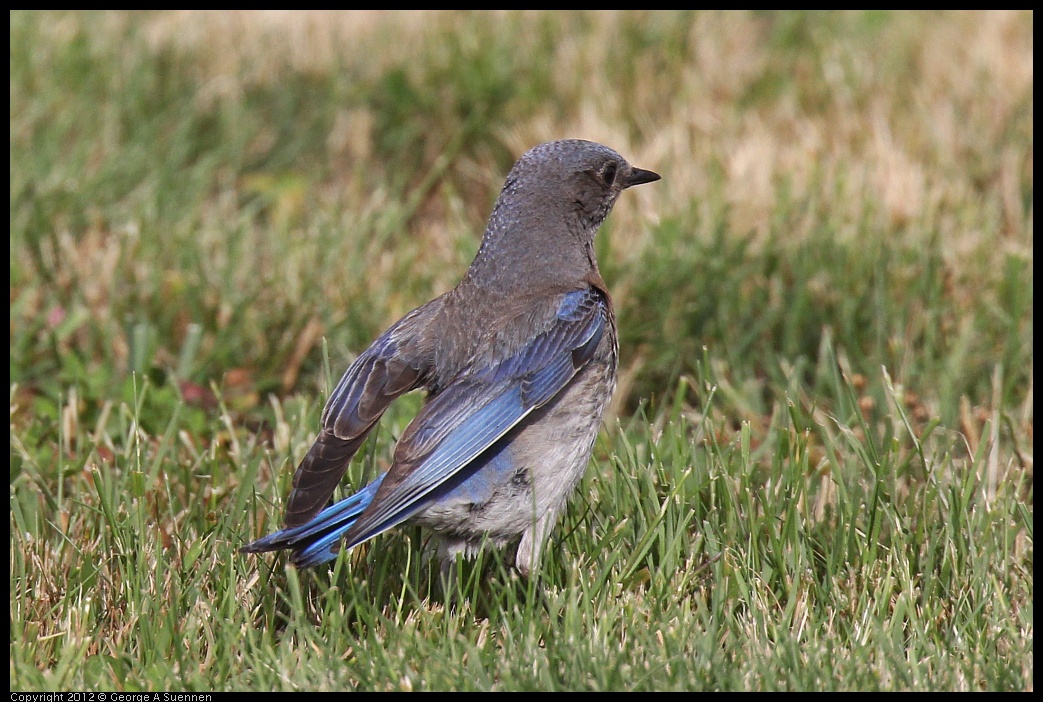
x=519 y=364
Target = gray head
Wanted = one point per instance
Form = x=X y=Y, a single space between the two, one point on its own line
x=551 y=205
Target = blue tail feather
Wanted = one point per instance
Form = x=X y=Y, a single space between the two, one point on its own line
x=316 y=541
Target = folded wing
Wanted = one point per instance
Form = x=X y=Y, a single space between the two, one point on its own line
x=479 y=407
x=391 y=366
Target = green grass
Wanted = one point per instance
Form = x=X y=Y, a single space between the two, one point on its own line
x=818 y=473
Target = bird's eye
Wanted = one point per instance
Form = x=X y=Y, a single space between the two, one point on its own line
x=609 y=173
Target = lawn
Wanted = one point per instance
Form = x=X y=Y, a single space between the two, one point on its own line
x=817 y=471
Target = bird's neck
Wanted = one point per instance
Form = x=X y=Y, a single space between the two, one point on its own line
x=536 y=251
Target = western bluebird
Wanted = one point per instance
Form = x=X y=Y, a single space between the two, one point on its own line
x=519 y=363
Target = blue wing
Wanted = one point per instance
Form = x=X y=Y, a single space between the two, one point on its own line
x=454 y=427
x=473 y=412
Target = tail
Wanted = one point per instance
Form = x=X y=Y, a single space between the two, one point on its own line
x=318 y=540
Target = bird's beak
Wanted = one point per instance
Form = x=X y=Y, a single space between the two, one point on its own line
x=639 y=176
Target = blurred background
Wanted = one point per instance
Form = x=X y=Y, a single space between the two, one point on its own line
x=212 y=193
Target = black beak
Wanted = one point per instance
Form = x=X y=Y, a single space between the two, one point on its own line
x=639 y=176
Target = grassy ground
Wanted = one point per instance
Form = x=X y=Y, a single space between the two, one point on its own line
x=818 y=469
